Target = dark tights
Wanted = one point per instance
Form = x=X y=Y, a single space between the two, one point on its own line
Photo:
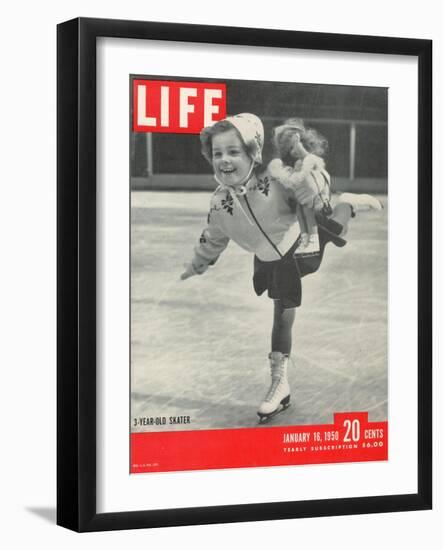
x=282 y=328
x=284 y=318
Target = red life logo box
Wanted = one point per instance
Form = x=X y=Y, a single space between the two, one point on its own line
x=176 y=107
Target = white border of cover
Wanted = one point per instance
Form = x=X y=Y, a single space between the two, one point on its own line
x=118 y=491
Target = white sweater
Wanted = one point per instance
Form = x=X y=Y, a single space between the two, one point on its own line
x=267 y=214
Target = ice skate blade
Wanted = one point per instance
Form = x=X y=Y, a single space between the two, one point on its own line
x=306 y=254
x=265 y=418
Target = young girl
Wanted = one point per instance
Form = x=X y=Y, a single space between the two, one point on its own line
x=256 y=211
x=300 y=151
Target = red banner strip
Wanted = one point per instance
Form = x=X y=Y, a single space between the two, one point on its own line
x=351 y=438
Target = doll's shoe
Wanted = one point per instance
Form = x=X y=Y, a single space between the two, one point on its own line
x=309 y=246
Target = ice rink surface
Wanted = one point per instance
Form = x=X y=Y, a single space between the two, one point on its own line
x=199 y=347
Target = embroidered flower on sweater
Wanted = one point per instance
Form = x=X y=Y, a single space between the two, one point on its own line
x=227 y=203
x=263 y=185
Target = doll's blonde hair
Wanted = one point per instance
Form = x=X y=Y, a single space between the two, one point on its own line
x=311 y=139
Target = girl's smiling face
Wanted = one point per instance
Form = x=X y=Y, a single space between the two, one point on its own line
x=230 y=160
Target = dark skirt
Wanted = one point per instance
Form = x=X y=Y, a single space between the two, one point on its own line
x=282 y=278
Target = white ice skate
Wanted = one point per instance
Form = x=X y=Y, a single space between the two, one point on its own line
x=278 y=396
x=360 y=203
x=309 y=245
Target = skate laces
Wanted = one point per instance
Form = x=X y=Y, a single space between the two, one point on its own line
x=277 y=379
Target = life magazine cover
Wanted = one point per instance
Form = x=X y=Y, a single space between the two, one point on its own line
x=259 y=273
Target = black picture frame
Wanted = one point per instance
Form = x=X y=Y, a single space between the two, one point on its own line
x=76 y=274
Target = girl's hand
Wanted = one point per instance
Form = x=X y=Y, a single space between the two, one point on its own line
x=188 y=272
x=306 y=192
x=314 y=190
x=191 y=270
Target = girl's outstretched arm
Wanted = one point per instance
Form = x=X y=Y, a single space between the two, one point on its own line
x=211 y=244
